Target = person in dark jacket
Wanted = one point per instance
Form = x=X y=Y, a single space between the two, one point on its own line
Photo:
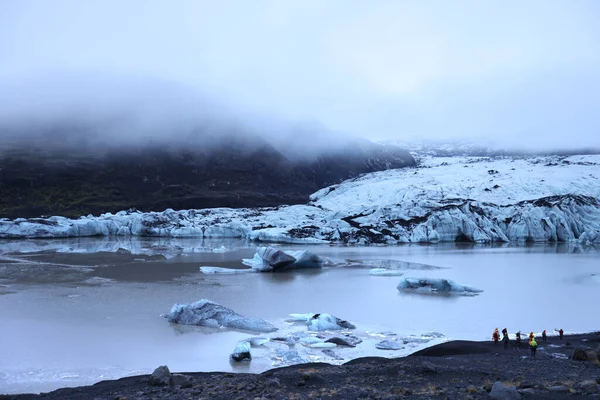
x=544 y=336
x=518 y=340
x=505 y=340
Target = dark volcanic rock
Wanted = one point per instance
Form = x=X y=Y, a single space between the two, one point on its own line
x=160 y=377
x=579 y=355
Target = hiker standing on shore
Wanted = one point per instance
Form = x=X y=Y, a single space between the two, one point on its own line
x=544 y=337
x=496 y=336
x=531 y=337
x=560 y=333
x=504 y=332
x=533 y=346
x=518 y=341
x=505 y=339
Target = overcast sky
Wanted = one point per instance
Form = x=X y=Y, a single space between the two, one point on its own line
x=523 y=72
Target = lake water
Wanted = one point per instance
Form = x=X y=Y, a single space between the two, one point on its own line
x=78 y=311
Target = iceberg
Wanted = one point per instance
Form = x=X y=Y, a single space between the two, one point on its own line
x=241 y=351
x=433 y=285
x=327 y=322
x=385 y=272
x=257 y=341
x=206 y=313
x=388 y=345
x=271 y=259
x=299 y=317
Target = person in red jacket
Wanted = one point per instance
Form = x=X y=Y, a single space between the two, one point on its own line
x=496 y=336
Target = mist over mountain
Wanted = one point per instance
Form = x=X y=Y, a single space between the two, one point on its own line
x=74 y=145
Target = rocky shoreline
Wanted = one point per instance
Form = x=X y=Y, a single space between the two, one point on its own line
x=567 y=368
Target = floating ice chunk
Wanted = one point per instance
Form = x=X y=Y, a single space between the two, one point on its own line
x=271 y=259
x=433 y=285
x=220 y=270
x=310 y=340
x=257 y=341
x=415 y=340
x=385 y=272
x=322 y=345
x=327 y=322
x=206 y=313
x=289 y=357
x=306 y=259
x=300 y=317
x=221 y=249
x=388 y=345
x=241 y=351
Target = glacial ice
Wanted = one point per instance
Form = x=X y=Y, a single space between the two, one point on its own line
x=271 y=259
x=241 y=351
x=221 y=270
x=299 y=317
x=206 y=313
x=536 y=199
x=388 y=345
x=327 y=322
x=432 y=285
x=257 y=341
x=385 y=272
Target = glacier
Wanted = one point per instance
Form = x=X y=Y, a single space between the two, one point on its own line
x=207 y=313
x=443 y=199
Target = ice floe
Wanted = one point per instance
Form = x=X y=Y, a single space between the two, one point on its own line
x=385 y=272
x=206 y=313
x=432 y=285
x=271 y=259
x=327 y=322
x=241 y=351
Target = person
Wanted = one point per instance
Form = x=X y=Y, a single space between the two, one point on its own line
x=518 y=341
x=505 y=339
x=544 y=336
x=560 y=333
x=504 y=332
x=495 y=336
x=533 y=346
x=530 y=337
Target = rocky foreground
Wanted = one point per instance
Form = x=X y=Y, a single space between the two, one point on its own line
x=453 y=370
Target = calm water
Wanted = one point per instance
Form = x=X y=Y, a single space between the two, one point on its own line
x=76 y=312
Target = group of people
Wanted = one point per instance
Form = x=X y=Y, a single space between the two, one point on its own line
x=532 y=342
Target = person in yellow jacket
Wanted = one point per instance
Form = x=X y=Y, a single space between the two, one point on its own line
x=533 y=346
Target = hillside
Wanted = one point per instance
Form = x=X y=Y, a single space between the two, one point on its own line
x=42 y=178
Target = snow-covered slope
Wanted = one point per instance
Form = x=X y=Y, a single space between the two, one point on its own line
x=444 y=199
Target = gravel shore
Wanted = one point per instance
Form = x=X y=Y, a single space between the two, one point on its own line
x=567 y=368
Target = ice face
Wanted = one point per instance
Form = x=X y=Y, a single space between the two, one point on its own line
x=432 y=285
x=450 y=199
x=206 y=313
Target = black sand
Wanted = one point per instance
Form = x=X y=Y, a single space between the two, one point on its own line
x=452 y=370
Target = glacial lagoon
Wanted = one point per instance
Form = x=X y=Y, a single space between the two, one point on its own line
x=78 y=311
